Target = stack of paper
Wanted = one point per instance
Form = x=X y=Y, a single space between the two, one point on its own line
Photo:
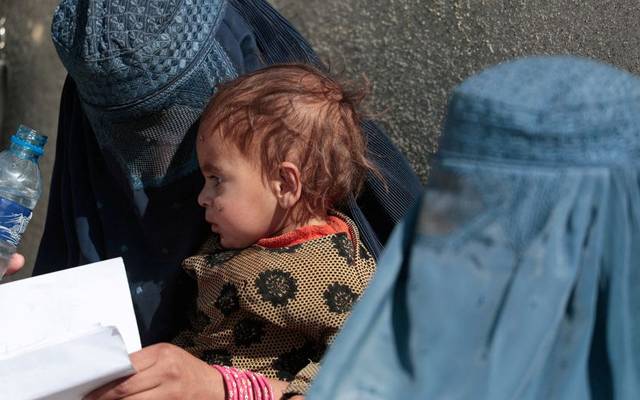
x=66 y=333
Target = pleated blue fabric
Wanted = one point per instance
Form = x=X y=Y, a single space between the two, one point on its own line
x=518 y=274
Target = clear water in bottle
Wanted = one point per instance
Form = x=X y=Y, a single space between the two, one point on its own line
x=20 y=188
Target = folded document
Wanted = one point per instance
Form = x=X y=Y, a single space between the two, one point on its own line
x=66 y=333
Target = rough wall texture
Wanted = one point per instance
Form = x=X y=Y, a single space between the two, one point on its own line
x=414 y=51
x=34 y=84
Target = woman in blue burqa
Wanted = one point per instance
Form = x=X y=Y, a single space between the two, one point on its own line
x=517 y=276
x=126 y=178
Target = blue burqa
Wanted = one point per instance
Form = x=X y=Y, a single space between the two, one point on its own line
x=126 y=176
x=518 y=275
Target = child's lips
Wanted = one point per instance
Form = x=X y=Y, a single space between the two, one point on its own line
x=209 y=221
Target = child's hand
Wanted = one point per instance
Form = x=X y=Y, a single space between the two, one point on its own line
x=16 y=262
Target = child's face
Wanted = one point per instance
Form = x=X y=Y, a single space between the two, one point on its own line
x=240 y=205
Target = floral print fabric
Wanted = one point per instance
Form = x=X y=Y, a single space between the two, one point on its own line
x=275 y=310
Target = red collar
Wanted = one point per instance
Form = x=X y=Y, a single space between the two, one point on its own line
x=303 y=234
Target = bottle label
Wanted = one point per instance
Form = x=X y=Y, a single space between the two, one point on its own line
x=14 y=219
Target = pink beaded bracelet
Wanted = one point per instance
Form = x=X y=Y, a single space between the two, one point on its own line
x=265 y=387
x=231 y=388
x=244 y=385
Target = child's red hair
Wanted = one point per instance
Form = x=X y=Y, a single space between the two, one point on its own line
x=295 y=113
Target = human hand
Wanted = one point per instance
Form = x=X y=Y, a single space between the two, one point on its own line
x=16 y=262
x=164 y=372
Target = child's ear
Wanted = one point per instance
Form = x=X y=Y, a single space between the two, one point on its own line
x=288 y=186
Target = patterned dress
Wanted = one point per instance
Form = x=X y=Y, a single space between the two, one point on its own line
x=274 y=310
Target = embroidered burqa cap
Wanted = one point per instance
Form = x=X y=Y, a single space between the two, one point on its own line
x=144 y=70
x=517 y=276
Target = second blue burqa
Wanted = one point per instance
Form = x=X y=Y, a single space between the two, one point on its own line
x=517 y=277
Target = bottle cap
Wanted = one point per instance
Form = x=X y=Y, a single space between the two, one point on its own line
x=29 y=139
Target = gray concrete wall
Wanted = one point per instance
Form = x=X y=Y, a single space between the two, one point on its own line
x=35 y=78
x=414 y=52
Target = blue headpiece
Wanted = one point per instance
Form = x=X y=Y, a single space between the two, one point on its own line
x=144 y=69
x=517 y=276
x=562 y=110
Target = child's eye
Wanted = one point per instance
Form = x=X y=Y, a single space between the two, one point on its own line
x=216 y=180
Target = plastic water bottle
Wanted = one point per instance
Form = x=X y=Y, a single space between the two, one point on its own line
x=20 y=188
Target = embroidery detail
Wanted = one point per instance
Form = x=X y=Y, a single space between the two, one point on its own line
x=364 y=253
x=276 y=286
x=345 y=249
x=290 y=363
x=248 y=331
x=219 y=257
x=216 y=356
x=339 y=298
x=228 y=301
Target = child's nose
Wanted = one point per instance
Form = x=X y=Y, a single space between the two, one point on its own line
x=203 y=199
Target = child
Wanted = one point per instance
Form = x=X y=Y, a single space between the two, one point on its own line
x=280 y=149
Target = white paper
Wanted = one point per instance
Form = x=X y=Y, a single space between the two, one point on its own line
x=66 y=333
x=46 y=307
x=67 y=369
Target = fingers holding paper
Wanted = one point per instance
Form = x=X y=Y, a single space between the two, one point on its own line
x=164 y=372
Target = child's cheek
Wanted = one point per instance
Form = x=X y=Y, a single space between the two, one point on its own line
x=217 y=204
